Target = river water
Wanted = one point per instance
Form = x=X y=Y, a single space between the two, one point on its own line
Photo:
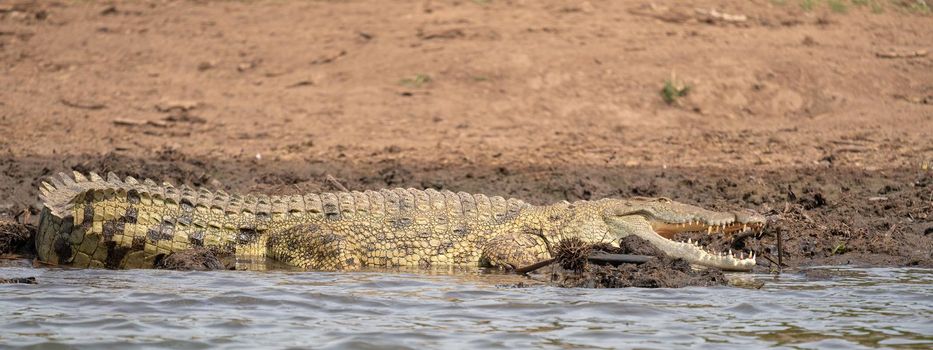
x=821 y=308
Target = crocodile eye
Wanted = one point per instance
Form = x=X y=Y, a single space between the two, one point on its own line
x=664 y=200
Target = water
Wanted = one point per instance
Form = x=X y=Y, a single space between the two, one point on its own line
x=852 y=308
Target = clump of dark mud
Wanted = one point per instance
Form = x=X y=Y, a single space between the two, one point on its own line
x=637 y=246
x=573 y=269
x=21 y=280
x=15 y=238
x=195 y=259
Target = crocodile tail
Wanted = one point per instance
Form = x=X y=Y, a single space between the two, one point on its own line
x=113 y=222
x=58 y=196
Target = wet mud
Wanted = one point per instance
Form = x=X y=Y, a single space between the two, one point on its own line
x=16 y=238
x=572 y=269
x=21 y=280
x=196 y=259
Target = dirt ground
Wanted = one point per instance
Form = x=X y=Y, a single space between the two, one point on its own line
x=816 y=113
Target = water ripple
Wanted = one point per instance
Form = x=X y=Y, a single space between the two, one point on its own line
x=853 y=308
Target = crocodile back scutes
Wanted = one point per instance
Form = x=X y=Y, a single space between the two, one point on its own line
x=60 y=193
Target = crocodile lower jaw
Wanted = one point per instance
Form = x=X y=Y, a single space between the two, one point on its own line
x=698 y=255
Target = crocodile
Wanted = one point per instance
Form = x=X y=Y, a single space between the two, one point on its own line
x=113 y=222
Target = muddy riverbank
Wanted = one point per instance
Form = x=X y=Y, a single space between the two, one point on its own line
x=824 y=215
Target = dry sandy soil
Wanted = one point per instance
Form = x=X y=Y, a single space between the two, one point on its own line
x=819 y=117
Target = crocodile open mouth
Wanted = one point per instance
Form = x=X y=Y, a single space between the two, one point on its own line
x=728 y=260
x=662 y=222
x=668 y=230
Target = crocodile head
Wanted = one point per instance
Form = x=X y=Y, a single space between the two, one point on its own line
x=657 y=220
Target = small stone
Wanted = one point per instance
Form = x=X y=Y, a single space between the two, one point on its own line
x=203 y=66
x=242 y=67
x=176 y=105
